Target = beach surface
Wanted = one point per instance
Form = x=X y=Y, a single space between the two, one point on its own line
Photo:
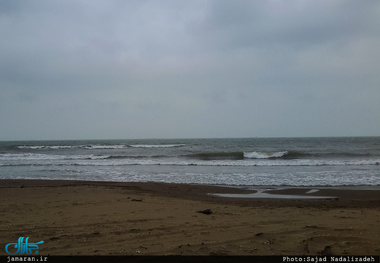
x=105 y=218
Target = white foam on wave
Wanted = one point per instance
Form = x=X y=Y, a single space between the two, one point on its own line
x=37 y=156
x=97 y=157
x=95 y=147
x=156 y=145
x=264 y=155
x=106 y=160
x=29 y=156
x=57 y=147
x=36 y=147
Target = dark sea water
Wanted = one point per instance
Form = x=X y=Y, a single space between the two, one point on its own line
x=353 y=162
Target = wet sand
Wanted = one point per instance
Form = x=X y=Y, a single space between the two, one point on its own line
x=103 y=218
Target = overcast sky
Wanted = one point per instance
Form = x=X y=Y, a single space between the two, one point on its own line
x=94 y=69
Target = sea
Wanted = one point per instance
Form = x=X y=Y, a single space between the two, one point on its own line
x=352 y=162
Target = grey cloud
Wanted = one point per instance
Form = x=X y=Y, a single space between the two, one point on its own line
x=299 y=24
x=129 y=69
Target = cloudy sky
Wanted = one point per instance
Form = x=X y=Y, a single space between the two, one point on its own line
x=107 y=69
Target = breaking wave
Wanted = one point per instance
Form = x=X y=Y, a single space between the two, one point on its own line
x=58 y=147
x=46 y=157
x=265 y=155
x=39 y=147
x=96 y=147
x=156 y=145
x=113 y=160
x=242 y=155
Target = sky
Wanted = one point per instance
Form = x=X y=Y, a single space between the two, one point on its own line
x=129 y=69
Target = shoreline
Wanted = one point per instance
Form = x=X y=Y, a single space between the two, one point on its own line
x=113 y=218
x=344 y=196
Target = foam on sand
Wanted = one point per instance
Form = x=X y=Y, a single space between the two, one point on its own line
x=262 y=194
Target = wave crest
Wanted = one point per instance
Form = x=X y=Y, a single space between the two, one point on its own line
x=155 y=145
x=265 y=155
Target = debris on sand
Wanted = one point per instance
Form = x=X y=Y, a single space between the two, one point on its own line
x=206 y=212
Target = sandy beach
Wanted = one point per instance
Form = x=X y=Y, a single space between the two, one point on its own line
x=103 y=218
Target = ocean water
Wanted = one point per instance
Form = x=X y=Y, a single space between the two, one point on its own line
x=322 y=162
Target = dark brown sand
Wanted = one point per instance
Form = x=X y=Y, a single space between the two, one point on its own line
x=103 y=218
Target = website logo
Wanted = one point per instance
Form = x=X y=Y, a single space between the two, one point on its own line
x=22 y=247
